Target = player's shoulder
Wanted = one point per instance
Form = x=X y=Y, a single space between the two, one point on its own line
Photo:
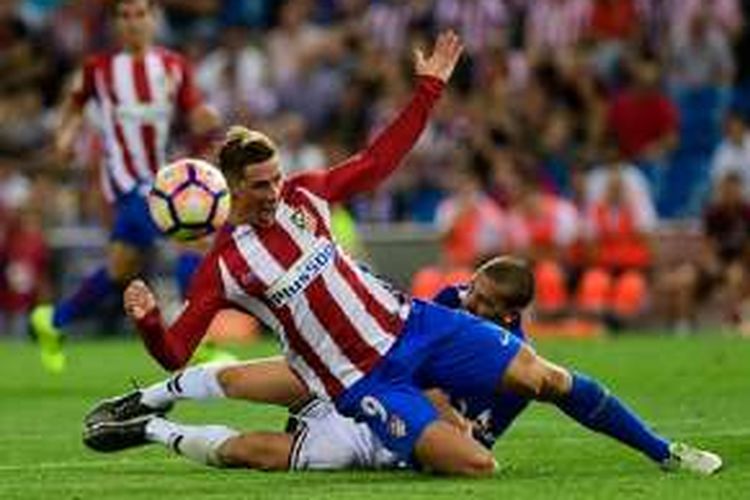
x=450 y=296
x=294 y=184
x=98 y=60
x=171 y=57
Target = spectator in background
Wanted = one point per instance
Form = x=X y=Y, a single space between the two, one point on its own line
x=555 y=26
x=733 y=153
x=618 y=230
x=612 y=25
x=481 y=23
x=235 y=78
x=643 y=121
x=296 y=153
x=190 y=19
x=319 y=82
x=543 y=229
x=292 y=42
x=724 y=15
x=470 y=223
x=25 y=277
x=723 y=263
x=24 y=66
x=635 y=183
x=727 y=230
x=701 y=56
x=613 y=20
x=387 y=25
x=24 y=255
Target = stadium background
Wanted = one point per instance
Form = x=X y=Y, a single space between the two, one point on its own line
x=551 y=94
x=530 y=106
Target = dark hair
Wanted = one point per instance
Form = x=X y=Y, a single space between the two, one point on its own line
x=243 y=147
x=514 y=277
x=115 y=4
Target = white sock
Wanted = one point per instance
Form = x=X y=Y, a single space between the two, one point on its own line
x=198 y=382
x=198 y=443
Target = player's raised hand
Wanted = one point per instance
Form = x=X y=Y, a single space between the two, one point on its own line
x=443 y=59
x=138 y=300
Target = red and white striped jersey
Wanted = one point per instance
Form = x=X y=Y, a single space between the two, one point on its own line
x=136 y=99
x=336 y=321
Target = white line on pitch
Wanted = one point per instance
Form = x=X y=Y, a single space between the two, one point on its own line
x=84 y=464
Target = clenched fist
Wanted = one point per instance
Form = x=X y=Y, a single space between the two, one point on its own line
x=138 y=299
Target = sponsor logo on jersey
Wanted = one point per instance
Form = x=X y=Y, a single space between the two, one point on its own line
x=303 y=219
x=302 y=273
x=396 y=426
x=143 y=113
x=372 y=407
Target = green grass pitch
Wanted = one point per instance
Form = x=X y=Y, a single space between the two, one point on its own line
x=696 y=390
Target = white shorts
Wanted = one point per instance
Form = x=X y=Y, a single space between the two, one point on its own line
x=325 y=440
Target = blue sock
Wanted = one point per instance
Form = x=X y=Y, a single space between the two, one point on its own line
x=592 y=405
x=187 y=263
x=93 y=290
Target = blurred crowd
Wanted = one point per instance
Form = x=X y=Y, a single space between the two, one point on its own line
x=572 y=128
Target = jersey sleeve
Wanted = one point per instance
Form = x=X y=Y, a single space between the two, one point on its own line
x=173 y=346
x=83 y=85
x=188 y=94
x=367 y=169
x=450 y=296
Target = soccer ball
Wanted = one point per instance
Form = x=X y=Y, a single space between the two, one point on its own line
x=189 y=199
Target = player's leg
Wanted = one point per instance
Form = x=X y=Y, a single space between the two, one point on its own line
x=480 y=358
x=212 y=445
x=132 y=233
x=264 y=381
x=256 y=450
x=442 y=448
x=405 y=421
x=592 y=405
x=186 y=265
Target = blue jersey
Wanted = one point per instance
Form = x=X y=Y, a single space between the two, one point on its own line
x=492 y=416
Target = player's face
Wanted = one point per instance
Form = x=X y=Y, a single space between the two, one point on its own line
x=261 y=192
x=135 y=23
x=485 y=299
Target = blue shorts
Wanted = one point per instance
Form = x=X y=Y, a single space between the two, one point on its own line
x=133 y=224
x=438 y=347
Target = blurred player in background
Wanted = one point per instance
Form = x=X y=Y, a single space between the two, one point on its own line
x=316 y=435
x=141 y=91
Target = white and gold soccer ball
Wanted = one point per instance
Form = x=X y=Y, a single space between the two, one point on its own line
x=189 y=199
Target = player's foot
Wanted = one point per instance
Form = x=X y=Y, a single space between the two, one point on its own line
x=122 y=408
x=209 y=353
x=115 y=436
x=48 y=337
x=685 y=457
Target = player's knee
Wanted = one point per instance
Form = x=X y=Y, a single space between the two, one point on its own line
x=535 y=378
x=523 y=376
x=444 y=450
x=556 y=382
x=230 y=452
x=230 y=380
x=253 y=451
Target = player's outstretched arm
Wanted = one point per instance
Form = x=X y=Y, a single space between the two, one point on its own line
x=366 y=170
x=172 y=347
x=69 y=118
